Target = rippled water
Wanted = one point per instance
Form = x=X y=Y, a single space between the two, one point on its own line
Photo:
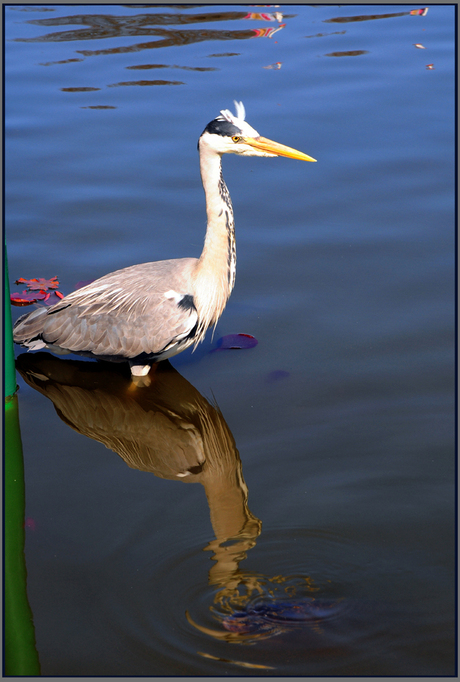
x=328 y=466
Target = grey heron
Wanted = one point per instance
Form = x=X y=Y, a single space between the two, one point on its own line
x=149 y=312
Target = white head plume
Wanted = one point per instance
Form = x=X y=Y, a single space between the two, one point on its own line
x=226 y=114
x=238 y=119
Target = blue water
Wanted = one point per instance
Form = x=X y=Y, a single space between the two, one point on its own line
x=343 y=413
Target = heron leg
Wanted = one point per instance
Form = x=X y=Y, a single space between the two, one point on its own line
x=139 y=375
x=139 y=370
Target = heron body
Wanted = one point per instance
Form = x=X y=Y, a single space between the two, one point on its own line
x=149 y=312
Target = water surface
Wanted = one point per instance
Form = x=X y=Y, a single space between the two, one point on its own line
x=328 y=465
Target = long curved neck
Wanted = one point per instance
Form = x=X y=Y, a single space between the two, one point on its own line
x=215 y=272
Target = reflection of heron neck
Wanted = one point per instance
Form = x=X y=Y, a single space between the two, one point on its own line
x=227 y=505
x=235 y=528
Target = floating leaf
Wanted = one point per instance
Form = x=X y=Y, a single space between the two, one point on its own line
x=27 y=297
x=236 y=342
x=37 y=290
x=420 y=12
x=83 y=283
x=53 y=297
x=39 y=284
x=30 y=297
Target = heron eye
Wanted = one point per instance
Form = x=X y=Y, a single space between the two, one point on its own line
x=236 y=138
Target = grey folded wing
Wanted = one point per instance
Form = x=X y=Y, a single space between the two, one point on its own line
x=143 y=309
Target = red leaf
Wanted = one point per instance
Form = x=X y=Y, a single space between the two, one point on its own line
x=53 y=297
x=27 y=298
x=35 y=284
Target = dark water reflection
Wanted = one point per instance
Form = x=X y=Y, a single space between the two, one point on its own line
x=365 y=17
x=348 y=53
x=104 y=27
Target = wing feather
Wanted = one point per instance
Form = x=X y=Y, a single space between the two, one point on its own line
x=126 y=313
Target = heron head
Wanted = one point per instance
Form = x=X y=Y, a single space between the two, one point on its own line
x=231 y=134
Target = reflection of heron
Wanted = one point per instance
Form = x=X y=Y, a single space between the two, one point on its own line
x=145 y=313
x=170 y=430
x=167 y=429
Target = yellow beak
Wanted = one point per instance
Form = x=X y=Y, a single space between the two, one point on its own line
x=278 y=149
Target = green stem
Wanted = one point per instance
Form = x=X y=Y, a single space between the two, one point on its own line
x=10 y=370
x=21 y=657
